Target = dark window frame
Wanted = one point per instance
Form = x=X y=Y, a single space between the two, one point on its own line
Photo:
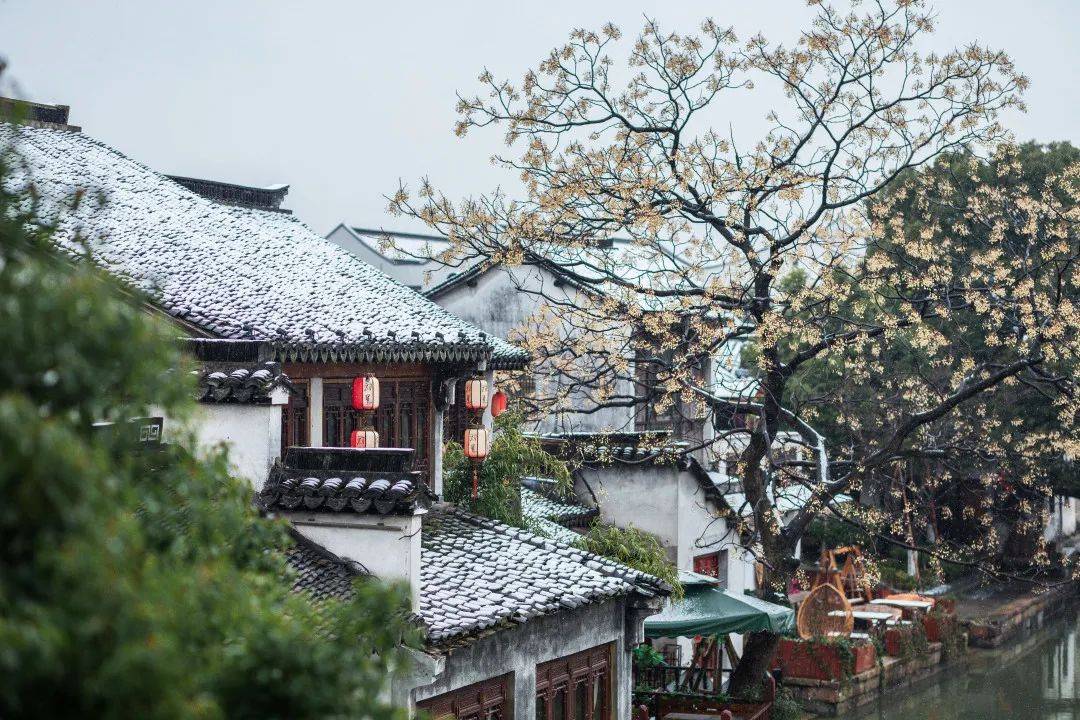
x=592 y=669
x=399 y=397
x=714 y=564
x=296 y=417
x=485 y=700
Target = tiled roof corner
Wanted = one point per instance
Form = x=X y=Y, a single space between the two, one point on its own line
x=246 y=385
x=342 y=491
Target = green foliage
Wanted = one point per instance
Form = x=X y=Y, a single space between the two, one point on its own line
x=830 y=532
x=513 y=456
x=646 y=656
x=141 y=583
x=633 y=548
x=953 y=637
x=784 y=706
x=895 y=576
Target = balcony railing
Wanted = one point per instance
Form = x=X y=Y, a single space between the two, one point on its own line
x=665 y=689
x=677 y=679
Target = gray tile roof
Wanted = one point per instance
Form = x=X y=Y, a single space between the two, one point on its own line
x=246 y=385
x=478 y=576
x=656 y=448
x=337 y=491
x=236 y=272
x=537 y=504
x=555 y=531
x=319 y=572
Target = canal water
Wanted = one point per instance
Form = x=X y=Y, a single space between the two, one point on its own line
x=1037 y=678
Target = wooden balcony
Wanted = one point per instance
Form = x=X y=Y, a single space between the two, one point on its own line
x=681 y=691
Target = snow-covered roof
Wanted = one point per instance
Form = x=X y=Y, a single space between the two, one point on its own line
x=235 y=272
x=787 y=499
x=539 y=505
x=478 y=576
x=552 y=515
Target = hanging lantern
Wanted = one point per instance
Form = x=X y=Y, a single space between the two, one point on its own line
x=498 y=403
x=365 y=393
x=364 y=439
x=477 y=443
x=476 y=394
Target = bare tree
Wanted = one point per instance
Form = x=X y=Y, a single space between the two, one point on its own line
x=713 y=225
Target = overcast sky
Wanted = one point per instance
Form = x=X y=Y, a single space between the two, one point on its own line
x=341 y=99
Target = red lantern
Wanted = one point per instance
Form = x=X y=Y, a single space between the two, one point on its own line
x=498 y=403
x=476 y=394
x=477 y=443
x=365 y=393
x=364 y=439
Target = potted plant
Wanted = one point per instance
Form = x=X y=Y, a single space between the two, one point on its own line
x=825 y=659
x=938 y=624
x=898 y=639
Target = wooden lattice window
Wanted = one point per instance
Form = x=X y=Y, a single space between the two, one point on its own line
x=649 y=418
x=576 y=687
x=485 y=700
x=403 y=419
x=456 y=416
x=294 y=418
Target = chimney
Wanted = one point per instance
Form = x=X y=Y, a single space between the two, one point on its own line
x=35 y=114
x=359 y=503
x=258 y=198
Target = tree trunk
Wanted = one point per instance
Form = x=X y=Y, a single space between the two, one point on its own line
x=749 y=674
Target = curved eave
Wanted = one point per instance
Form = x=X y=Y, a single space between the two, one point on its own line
x=379 y=353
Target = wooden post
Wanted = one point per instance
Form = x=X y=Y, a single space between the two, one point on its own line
x=730 y=648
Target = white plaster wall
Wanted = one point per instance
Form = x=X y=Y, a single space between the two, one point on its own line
x=520 y=649
x=252 y=434
x=646 y=497
x=388 y=546
x=497 y=305
x=670 y=504
x=407 y=273
x=1068 y=513
x=1062 y=520
x=701 y=529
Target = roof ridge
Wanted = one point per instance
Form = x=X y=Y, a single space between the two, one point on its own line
x=398 y=233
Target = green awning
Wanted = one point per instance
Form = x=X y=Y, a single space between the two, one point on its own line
x=710 y=610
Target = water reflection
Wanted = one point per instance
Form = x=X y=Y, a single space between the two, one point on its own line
x=1040 y=683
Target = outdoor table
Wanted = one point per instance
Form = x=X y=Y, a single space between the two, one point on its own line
x=873 y=617
x=912 y=604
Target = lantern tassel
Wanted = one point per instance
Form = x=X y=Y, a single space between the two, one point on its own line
x=475 y=483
